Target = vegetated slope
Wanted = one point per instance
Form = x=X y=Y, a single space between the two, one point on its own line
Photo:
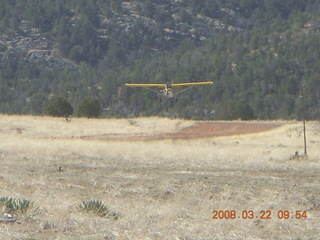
x=256 y=52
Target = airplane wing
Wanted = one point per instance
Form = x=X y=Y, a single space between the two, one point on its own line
x=147 y=85
x=190 y=84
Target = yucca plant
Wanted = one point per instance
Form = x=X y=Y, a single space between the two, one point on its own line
x=98 y=208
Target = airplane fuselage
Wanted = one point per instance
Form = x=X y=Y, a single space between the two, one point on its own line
x=167 y=91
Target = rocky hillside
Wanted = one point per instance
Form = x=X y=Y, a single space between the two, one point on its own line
x=165 y=23
x=37 y=47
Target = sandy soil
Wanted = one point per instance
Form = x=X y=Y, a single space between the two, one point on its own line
x=166 y=188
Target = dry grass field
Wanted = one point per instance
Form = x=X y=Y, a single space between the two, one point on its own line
x=161 y=188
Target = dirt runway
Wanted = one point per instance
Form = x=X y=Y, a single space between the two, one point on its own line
x=201 y=129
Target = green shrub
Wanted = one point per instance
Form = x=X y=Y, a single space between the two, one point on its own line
x=89 y=107
x=244 y=111
x=233 y=110
x=59 y=107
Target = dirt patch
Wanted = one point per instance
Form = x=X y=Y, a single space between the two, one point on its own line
x=199 y=130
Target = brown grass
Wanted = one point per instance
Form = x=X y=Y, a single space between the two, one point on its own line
x=164 y=189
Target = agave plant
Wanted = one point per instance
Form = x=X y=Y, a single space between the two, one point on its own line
x=3 y=201
x=98 y=208
x=16 y=206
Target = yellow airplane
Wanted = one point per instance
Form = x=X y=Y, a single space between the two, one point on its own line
x=167 y=88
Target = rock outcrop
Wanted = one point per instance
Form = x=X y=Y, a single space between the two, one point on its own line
x=36 y=47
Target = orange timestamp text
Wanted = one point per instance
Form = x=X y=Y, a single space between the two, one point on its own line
x=264 y=214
